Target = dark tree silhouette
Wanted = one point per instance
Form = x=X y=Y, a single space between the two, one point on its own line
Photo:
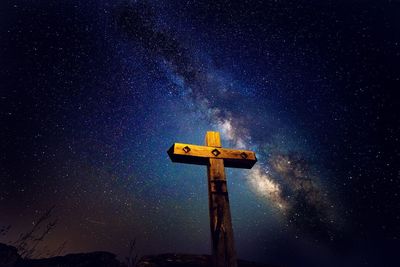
x=28 y=242
x=132 y=258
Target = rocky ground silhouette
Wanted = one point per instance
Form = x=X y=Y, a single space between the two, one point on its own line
x=9 y=257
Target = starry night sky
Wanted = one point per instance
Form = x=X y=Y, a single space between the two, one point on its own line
x=93 y=93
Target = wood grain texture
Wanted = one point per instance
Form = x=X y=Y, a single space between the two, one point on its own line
x=223 y=246
x=195 y=154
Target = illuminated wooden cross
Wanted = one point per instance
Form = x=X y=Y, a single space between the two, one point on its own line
x=216 y=158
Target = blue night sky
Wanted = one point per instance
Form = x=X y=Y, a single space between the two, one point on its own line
x=93 y=93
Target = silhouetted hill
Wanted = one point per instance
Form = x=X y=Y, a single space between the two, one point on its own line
x=181 y=260
x=9 y=257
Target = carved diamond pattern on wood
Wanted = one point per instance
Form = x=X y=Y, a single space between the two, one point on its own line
x=216 y=152
x=186 y=149
x=243 y=155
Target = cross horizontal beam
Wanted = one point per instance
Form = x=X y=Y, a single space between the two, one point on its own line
x=194 y=154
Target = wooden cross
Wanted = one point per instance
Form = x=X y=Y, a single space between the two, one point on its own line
x=215 y=158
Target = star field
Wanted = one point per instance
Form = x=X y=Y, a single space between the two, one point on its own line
x=93 y=93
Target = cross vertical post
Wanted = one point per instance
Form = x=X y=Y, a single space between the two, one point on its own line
x=223 y=248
